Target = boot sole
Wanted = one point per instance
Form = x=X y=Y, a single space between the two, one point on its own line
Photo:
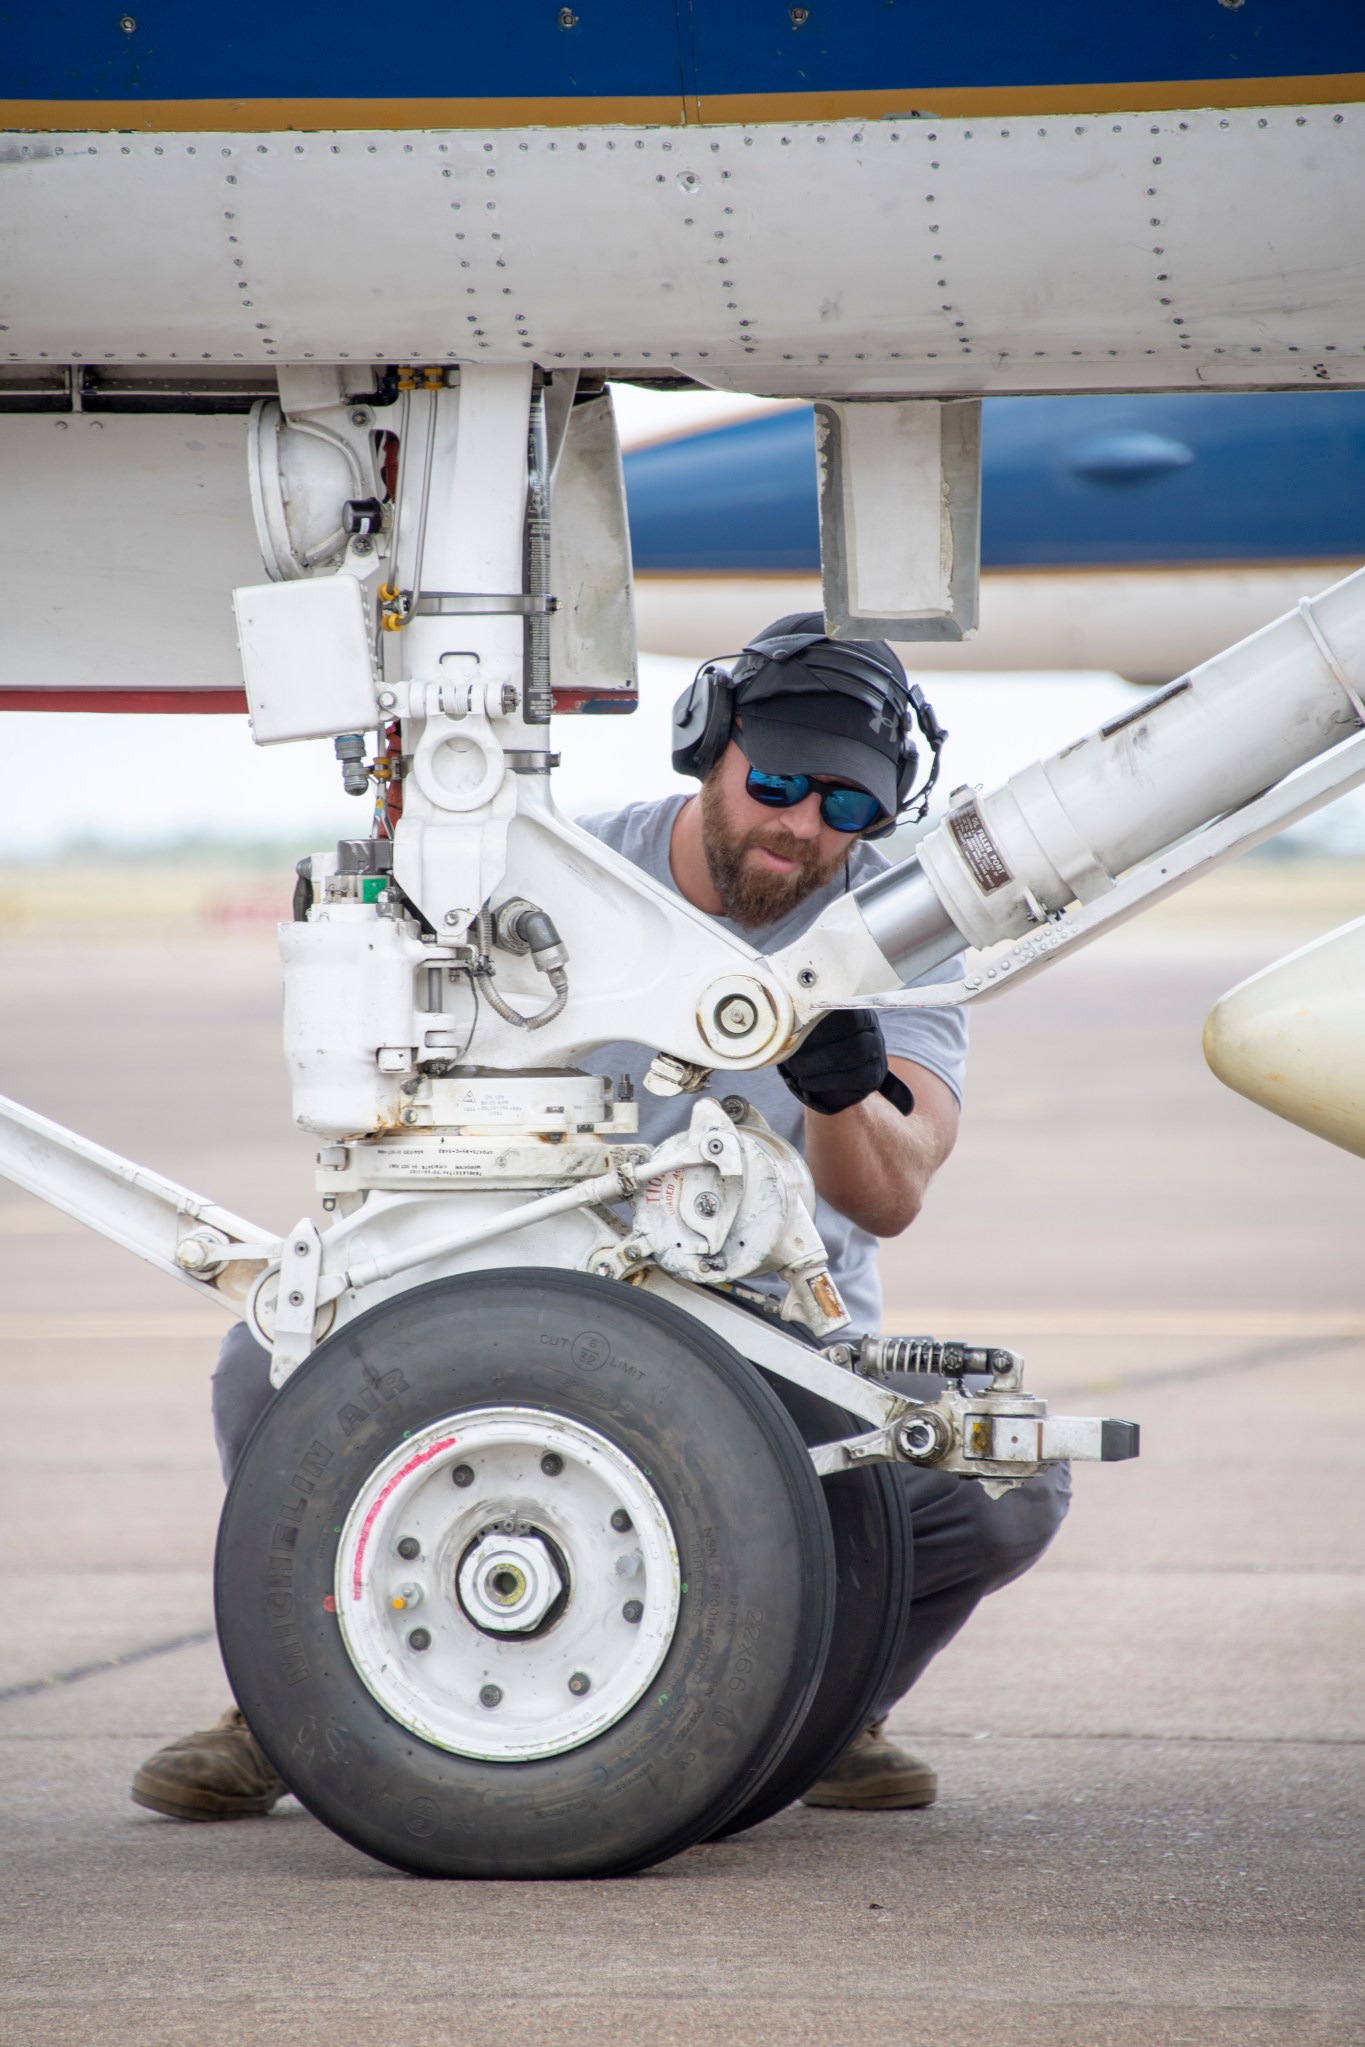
x=220 y=1809
x=887 y=1801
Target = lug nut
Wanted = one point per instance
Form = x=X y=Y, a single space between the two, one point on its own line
x=409 y=1547
x=463 y=1474
x=552 y=1464
x=621 y=1521
x=419 y=1639
x=491 y=1695
x=633 y=1611
x=579 y=1683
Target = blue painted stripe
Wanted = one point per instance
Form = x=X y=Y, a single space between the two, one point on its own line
x=71 y=50
x=1066 y=482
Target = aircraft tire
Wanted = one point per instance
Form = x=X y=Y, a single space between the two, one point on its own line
x=874 y=1564
x=428 y=1553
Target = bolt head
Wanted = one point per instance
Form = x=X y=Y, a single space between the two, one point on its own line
x=621 y=1521
x=715 y=1147
x=807 y=977
x=409 y=1547
x=737 y=1017
x=633 y=1611
x=419 y=1639
x=491 y=1696
x=580 y=1683
x=552 y=1464
x=463 y=1475
x=706 y=1204
x=360 y=417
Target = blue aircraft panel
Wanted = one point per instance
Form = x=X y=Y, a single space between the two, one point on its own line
x=1065 y=482
x=72 y=50
x=843 y=45
x=294 y=49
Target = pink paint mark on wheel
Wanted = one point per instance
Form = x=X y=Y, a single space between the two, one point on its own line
x=413 y=1464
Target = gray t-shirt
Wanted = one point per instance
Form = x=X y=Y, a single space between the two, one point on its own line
x=934 y=1038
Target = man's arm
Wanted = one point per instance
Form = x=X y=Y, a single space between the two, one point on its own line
x=873 y=1164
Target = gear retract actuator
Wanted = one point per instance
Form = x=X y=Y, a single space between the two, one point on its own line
x=444 y=976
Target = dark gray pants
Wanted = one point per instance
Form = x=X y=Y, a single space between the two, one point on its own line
x=966 y=1544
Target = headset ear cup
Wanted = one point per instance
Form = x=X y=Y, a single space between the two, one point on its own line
x=703 y=719
x=908 y=771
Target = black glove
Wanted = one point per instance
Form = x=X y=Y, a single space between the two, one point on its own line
x=843 y=1061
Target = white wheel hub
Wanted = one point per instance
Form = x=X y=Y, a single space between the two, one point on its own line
x=507 y=1583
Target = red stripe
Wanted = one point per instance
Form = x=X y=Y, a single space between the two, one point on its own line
x=79 y=697
x=413 y=1463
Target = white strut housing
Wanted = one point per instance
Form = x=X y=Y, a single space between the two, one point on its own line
x=1065 y=829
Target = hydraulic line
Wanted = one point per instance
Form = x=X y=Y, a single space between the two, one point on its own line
x=555 y=974
x=537 y=700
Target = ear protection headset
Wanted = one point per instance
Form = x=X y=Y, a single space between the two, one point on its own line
x=866 y=670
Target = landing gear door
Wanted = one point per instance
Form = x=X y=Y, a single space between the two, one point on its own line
x=593 y=660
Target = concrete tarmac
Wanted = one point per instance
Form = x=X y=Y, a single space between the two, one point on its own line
x=1150 y=1749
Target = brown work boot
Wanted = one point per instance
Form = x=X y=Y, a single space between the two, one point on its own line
x=873 y=1775
x=219 y=1774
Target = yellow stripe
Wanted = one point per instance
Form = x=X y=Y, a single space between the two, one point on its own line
x=113 y=1325
x=971 y=1325
x=1276 y=565
x=274 y=116
x=968 y=101
x=1331 y=568
x=1003 y=1325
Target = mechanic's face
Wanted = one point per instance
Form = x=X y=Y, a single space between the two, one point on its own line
x=764 y=862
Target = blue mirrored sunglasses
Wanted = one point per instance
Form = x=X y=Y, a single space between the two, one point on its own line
x=842 y=809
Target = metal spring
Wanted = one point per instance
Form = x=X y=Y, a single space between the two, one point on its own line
x=883 y=1354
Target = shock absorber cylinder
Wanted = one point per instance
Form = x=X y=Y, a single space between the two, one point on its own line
x=1064 y=829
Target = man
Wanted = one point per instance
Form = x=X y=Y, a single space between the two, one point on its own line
x=804 y=748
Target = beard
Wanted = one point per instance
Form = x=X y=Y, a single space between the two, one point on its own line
x=752 y=895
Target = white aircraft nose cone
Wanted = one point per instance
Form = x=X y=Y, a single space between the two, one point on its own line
x=1293 y=1038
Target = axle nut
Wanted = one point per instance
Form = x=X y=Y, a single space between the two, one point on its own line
x=737 y=1017
x=922 y=1440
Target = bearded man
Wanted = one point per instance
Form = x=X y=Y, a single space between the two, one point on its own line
x=804 y=748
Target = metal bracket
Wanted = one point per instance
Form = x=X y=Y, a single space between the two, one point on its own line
x=466 y=604
x=296 y=1304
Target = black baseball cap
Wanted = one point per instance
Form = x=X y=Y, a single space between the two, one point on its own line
x=815 y=706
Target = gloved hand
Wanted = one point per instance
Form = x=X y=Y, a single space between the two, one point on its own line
x=842 y=1062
